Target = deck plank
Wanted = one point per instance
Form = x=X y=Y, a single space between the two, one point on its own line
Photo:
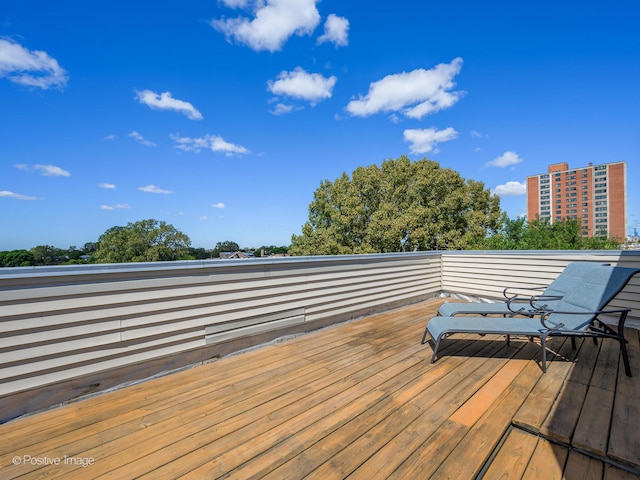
x=513 y=456
x=539 y=402
x=582 y=467
x=624 y=440
x=547 y=462
x=478 y=444
x=592 y=430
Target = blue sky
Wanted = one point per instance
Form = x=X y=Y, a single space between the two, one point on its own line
x=222 y=118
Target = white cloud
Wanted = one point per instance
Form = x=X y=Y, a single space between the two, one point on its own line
x=30 y=68
x=214 y=143
x=273 y=23
x=108 y=186
x=110 y=137
x=164 y=101
x=154 y=189
x=235 y=3
x=218 y=205
x=511 y=189
x=17 y=196
x=477 y=134
x=335 y=31
x=281 y=109
x=425 y=140
x=414 y=94
x=311 y=87
x=45 y=170
x=504 y=160
x=115 y=207
x=136 y=136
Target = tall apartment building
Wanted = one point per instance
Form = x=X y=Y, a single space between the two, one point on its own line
x=596 y=196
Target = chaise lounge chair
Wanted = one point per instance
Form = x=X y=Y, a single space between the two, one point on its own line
x=575 y=315
x=516 y=304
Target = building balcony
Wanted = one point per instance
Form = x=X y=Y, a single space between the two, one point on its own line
x=303 y=367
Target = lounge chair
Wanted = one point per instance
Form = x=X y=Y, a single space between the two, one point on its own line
x=575 y=315
x=516 y=304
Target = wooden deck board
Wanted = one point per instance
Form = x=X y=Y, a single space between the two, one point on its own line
x=357 y=400
x=514 y=456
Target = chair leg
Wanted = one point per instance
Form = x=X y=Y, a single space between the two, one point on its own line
x=435 y=349
x=543 y=342
x=625 y=356
x=424 y=336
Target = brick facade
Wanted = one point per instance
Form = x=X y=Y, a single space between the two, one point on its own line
x=595 y=195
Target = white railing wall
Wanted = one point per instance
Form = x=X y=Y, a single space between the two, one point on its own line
x=69 y=331
x=485 y=274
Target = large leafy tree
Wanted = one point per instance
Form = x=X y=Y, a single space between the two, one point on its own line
x=398 y=206
x=143 y=241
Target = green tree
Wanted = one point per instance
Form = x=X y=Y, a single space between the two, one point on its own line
x=541 y=234
x=48 y=255
x=197 y=254
x=226 y=246
x=16 y=258
x=143 y=241
x=398 y=206
x=270 y=250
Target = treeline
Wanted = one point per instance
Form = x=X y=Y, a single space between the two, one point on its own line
x=566 y=234
x=514 y=234
x=143 y=241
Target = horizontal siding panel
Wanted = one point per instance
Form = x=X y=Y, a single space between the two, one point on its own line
x=37 y=335
x=67 y=365
x=65 y=371
x=31 y=350
x=254 y=329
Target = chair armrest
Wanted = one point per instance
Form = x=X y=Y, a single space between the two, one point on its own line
x=541 y=298
x=507 y=294
x=531 y=301
x=623 y=312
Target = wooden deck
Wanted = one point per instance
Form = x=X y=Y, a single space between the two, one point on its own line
x=357 y=400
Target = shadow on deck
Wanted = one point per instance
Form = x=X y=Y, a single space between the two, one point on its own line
x=360 y=400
